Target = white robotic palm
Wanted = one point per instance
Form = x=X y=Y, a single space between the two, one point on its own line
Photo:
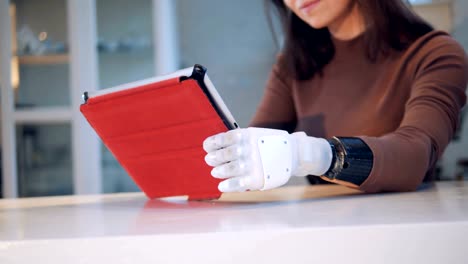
x=262 y=159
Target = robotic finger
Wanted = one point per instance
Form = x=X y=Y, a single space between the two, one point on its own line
x=231 y=169
x=223 y=140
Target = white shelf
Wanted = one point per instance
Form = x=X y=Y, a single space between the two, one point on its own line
x=429 y=2
x=82 y=60
x=437 y=13
x=51 y=59
x=43 y=115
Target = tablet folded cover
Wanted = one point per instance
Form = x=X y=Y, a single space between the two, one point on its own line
x=156 y=132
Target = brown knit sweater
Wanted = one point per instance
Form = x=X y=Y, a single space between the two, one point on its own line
x=405 y=106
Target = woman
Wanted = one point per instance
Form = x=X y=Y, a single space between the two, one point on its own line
x=376 y=90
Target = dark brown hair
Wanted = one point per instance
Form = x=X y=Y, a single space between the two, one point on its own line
x=391 y=24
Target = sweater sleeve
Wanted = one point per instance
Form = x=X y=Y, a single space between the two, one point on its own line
x=402 y=158
x=276 y=109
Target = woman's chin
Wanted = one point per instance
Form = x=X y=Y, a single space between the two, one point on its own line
x=316 y=23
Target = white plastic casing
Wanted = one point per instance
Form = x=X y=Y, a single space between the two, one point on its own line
x=314 y=155
x=282 y=155
x=268 y=157
x=276 y=157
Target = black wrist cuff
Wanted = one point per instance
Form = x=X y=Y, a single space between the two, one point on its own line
x=352 y=160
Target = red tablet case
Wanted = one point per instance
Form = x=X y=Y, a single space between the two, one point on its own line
x=156 y=132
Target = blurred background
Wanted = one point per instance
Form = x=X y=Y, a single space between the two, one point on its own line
x=53 y=50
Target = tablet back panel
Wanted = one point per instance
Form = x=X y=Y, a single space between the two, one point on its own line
x=156 y=132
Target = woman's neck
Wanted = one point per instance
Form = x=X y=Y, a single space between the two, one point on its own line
x=349 y=26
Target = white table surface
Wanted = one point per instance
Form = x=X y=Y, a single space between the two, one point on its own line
x=328 y=224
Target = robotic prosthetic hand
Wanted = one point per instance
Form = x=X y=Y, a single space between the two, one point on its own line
x=262 y=159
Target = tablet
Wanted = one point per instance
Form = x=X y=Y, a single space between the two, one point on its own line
x=155 y=129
